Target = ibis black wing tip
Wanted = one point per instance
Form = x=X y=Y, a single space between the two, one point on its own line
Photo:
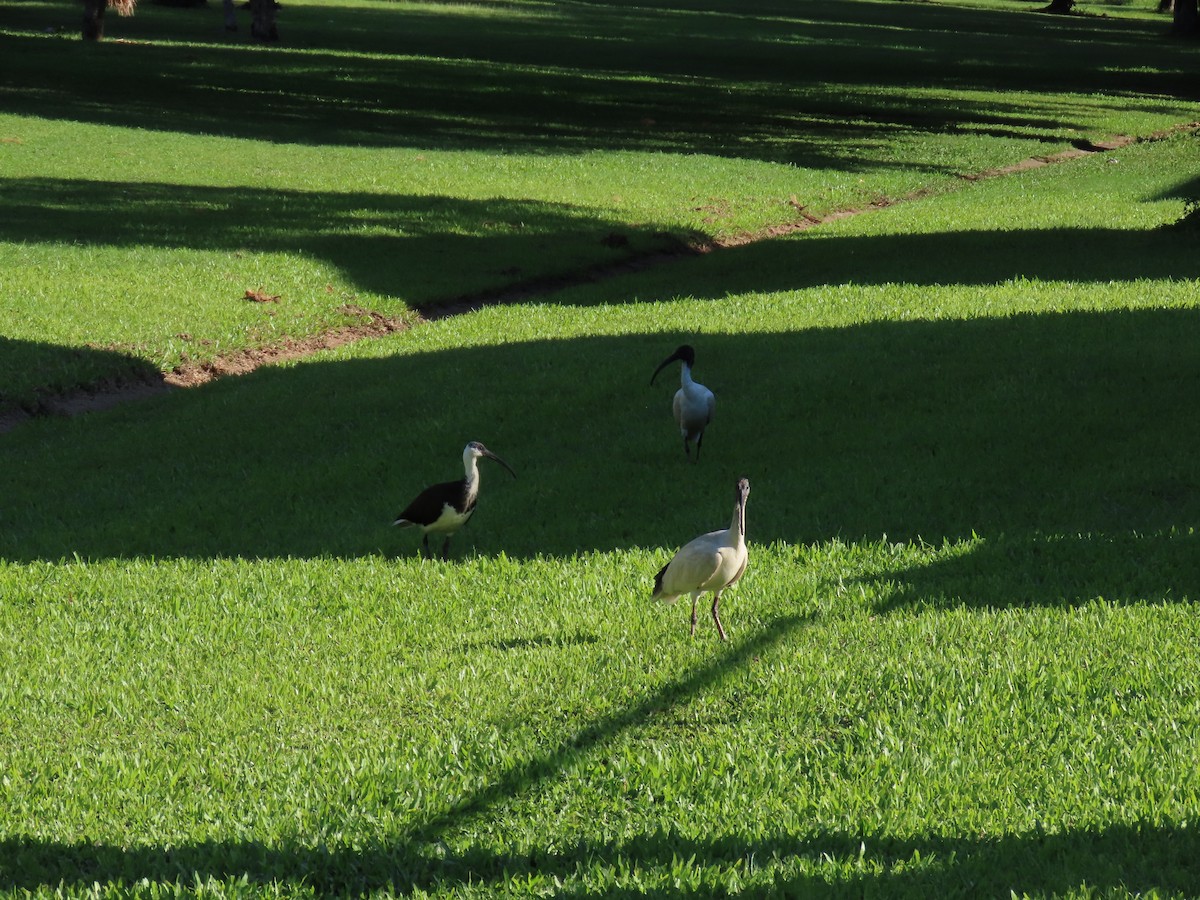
x=658 y=580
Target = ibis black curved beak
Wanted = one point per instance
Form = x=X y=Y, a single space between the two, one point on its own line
x=666 y=362
x=490 y=455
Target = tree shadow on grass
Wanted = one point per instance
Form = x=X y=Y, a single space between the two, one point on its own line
x=1135 y=858
x=1006 y=571
x=1065 y=439
x=1083 y=256
x=405 y=863
x=393 y=245
x=781 y=84
x=1128 y=857
x=35 y=377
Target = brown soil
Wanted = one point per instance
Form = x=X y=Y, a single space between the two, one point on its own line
x=98 y=397
x=242 y=362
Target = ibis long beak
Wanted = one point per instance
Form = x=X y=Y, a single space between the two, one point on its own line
x=666 y=362
x=490 y=455
x=743 y=494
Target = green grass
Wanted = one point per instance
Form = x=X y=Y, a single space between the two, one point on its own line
x=962 y=658
x=961 y=661
x=371 y=742
x=391 y=155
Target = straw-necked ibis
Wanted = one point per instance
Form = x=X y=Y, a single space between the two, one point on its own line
x=694 y=403
x=711 y=562
x=445 y=508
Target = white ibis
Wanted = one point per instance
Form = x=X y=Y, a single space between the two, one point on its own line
x=445 y=508
x=694 y=403
x=711 y=562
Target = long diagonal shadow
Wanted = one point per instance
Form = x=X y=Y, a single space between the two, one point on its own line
x=403 y=862
x=524 y=776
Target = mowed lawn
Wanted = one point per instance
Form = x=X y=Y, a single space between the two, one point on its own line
x=962 y=660
x=391 y=155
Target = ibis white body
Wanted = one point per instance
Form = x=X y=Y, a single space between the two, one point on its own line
x=708 y=564
x=693 y=405
x=443 y=509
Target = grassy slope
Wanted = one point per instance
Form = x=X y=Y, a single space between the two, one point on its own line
x=396 y=154
x=961 y=661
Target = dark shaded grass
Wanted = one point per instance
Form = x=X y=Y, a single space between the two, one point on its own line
x=764 y=81
x=1064 y=437
x=391 y=244
x=61 y=369
x=1124 y=860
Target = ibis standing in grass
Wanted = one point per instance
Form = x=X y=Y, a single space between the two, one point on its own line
x=694 y=403
x=445 y=508
x=710 y=563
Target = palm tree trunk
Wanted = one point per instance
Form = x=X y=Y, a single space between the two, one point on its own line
x=262 y=20
x=93 y=19
x=1186 y=22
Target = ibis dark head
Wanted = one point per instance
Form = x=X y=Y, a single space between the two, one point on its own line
x=742 y=491
x=474 y=450
x=684 y=353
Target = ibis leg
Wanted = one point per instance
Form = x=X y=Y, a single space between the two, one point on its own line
x=717 y=616
x=445 y=549
x=425 y=544
x=694 y=615
x=699 y=441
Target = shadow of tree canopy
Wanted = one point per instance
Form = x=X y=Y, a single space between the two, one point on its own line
x=401 y=244
x=33 y=374
x=1185 y=190
x=1063 y=437
x=1032 y=570
x=1135 y=858
x=795 y=85
x=390 y=244
x=1079 y=255
x=1128 y=856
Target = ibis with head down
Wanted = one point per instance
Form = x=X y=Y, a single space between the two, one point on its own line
x=710 y=563
x=445 y=508
x=694 y=403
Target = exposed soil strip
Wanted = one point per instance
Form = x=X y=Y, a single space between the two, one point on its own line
x=242 y=362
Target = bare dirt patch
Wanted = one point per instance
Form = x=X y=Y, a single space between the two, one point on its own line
x=242 y=362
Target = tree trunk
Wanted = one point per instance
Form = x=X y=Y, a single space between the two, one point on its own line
x=230 y=18
x=93 y=19
x=262 y=20
x=1187 y=15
